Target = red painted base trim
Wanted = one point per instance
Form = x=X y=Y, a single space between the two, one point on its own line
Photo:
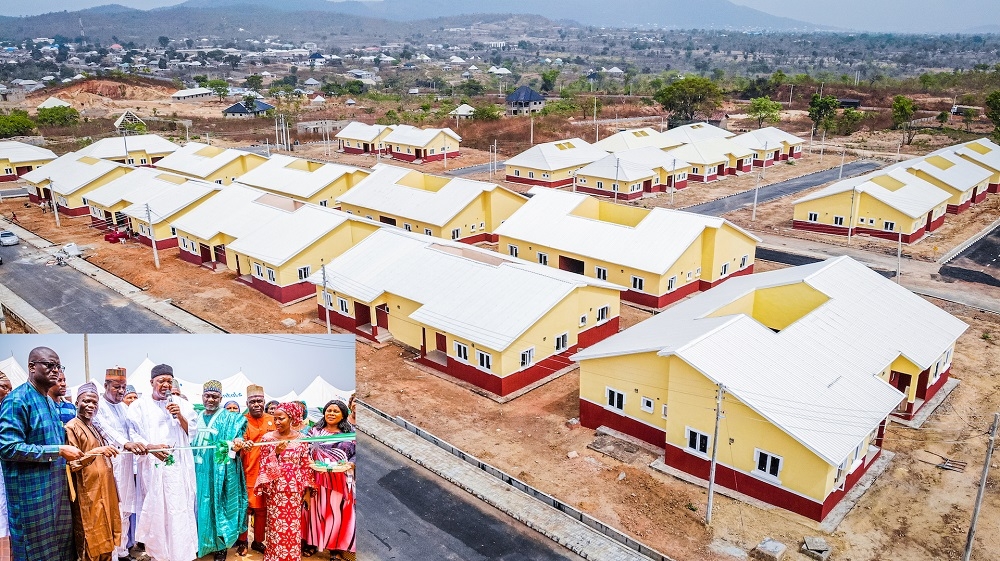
x=703 y=178
x=160 y=244
x=933 y=389
x=959 y=209
x=797 y=155
x=680 y=185
x=402 y=156
x=190 y=257
x=284 y=294
x=662 y=300
x=479 y=238
x=993 y=188
x=34 y=198
x=705 y=285
x=979 y=197
x=352 y=150
x=78 y=211
x=760 y=489
x=12 y=177
x=609 y=194
x=539 y=182
x=593 y=416
x=842 y=231
x=598 y=333
x=439 y=157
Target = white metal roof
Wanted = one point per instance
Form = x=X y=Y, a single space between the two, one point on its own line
x=67 y=174
x=191 y=92
x=385 y=191
x=360 y=131
x=653 y=158
x=449 y=280
x=167 y=202
x=694 y=132
x=616 y=169
x=114 y=147
x=990 y=159
x=463 y=110
x=962 y=175
x=279 y=174
x=767 y=137
x=17 y=152
x=52 y=102
x=188 y=161
x=915 y=198
x=711 y=151
x=413 y=136
x=636 y=138
x=233 y=211
x=133 y=187
x=562 y=154
x=817 y=379
x=653 y=245
x=289 y=234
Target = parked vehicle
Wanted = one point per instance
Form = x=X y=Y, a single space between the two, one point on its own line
x=9 y=238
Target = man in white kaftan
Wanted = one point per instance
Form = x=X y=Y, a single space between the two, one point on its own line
x=165 y=501
x=112 y=423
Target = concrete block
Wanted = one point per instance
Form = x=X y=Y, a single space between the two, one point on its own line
x=768 y=550
x=816 y=548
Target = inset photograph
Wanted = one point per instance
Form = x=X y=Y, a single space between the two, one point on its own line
x=177 y=447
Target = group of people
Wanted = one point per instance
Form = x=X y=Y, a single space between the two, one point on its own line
x=176 y=483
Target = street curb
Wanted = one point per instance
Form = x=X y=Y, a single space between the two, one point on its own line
x=185 y=320
x=553 y=524
x=955 y=252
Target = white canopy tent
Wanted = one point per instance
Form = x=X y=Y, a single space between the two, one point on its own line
x=14 y=371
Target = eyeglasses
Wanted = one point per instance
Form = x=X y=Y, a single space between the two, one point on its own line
x=49 y=365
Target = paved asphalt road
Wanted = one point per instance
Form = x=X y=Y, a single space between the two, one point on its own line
x=75 y=302
x=407 y=513
x=776 y=190
x=480 y=168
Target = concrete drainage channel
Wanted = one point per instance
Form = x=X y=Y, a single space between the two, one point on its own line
x=578 y=532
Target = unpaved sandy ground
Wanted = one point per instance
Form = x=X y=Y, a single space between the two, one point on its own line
x=914 y=511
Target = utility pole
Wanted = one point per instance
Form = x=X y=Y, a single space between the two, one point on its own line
x=86 y=359
x=753 y=214
x=790 y=90
x=899 y=257
x=673 y=182
x=597 y=128
x=152 y=238
x=982 y=487
x=822 y=147
x=850 y=225
x=55 y=204
x=531 y=135
x=715 y=453
x=326 y=295
x=843 y=156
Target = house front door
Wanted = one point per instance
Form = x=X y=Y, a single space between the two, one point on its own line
x=382 y=316
x=441 y=342
x=362 y=314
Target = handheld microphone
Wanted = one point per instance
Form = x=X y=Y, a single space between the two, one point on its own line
x=171 y=400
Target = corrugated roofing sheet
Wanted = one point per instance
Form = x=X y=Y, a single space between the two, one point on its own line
x=360 y=131
x=167 y=202
x=67 y=174
x=276 y=175
x=186 y=160
x=289 y=234
x=413 y=136
x=114 y=147
x=232 y=211
x=18 y=152
x=562 y=154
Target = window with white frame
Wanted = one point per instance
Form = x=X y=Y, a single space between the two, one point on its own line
x=697 y=272
x=461 y=351
x=615 y=399
x=270 y=275
x=813 y=217
x=517 y=173
x=512 y=250
x=838 y=220
x=173 y=231
x=638 y=283
x=407 y=227
x=531 y=175
x=527 y=357
x=671 y=283
x=889 y=226
x=428 y=232
x=614 y=187
x=602 y=313
x=861 y=220
x=344 y=306
x=600 y=185
x=327 y=299
x=583 y=320
x=304 y=272
x=142 y=161
x=456 y=233
x=543 y=258
x=744 y=261
x=725 y=269
x=601 y=273
x=472 y=228
x=482 y=225
x=8 y=171
x=663 y=410
x=545 y=176
x=562 y=341
x=258 y=270
x=696 y=441
x=767 y=464
x=689 y=275
x=485 y=360
x=130 y=161
x=646 y=404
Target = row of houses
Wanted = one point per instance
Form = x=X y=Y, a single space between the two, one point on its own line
x=401 y=142
x=906 y=200
x=633 y=163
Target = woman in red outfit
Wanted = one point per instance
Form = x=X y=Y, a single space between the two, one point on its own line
x=284 y=481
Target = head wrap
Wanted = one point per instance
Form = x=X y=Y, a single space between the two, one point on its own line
x=116 y=373
x=3 y=377
x=161 y=370
x=255 y=390
x=175 y=383
x=212 y=386
x=130 y=389
x=89 y=387
x=293 y=410
x=230 y=402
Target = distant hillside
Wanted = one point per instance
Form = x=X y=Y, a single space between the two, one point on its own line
x=683 y=14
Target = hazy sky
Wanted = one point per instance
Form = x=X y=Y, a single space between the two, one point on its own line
x=280 y=363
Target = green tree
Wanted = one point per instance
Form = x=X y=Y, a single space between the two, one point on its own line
x=764 y=109
x=201 y=80
x=255 y=82
x=687 y=97
x=823 y=111
x=491 y=112
x=233 y=60
x=135 y=128
x=549 y=80
x=471 y=88
x=942 y=118
x=161 y=64
x=992 y=106
x=219 y=88
x=58 y=116
x=849 y=121
x=250 y=102
x=903 y=110
x=968 y=117
x=164 y=41
x=16 y=123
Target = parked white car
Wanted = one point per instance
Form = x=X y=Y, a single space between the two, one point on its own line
x=9 y=238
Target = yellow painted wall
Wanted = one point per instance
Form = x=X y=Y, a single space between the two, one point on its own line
x=725 y=245
x=6 y=163
x=554 y=175
x=607 y=184
x=226 y=173
x=866 y=207
x=638 y=375
x=958 y=196
x=500 y=205
x=75 y=200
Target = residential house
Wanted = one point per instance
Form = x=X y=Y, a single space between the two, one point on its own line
x=714 y=158
x=133 y=150
x=361 y=138
x=893 y=204
x=524 y=101
x=771 y=145
x=210 y=163
x=409 y=143
x=552 y=164
x=240 y=109
x=191 y=94
x=308 y=181
x=695 y=132
x=806 y=394
x=661 y=255
x=152 y=219
x=52 y=102
x=464 y=111
x=444 y=207
x=636 y=138
x=985 y=154
x=67 y=180
x=966 y=182
x=18 y=158
x=428 y=294
x=106 y=203
x=278 y=257
x=631 y=174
